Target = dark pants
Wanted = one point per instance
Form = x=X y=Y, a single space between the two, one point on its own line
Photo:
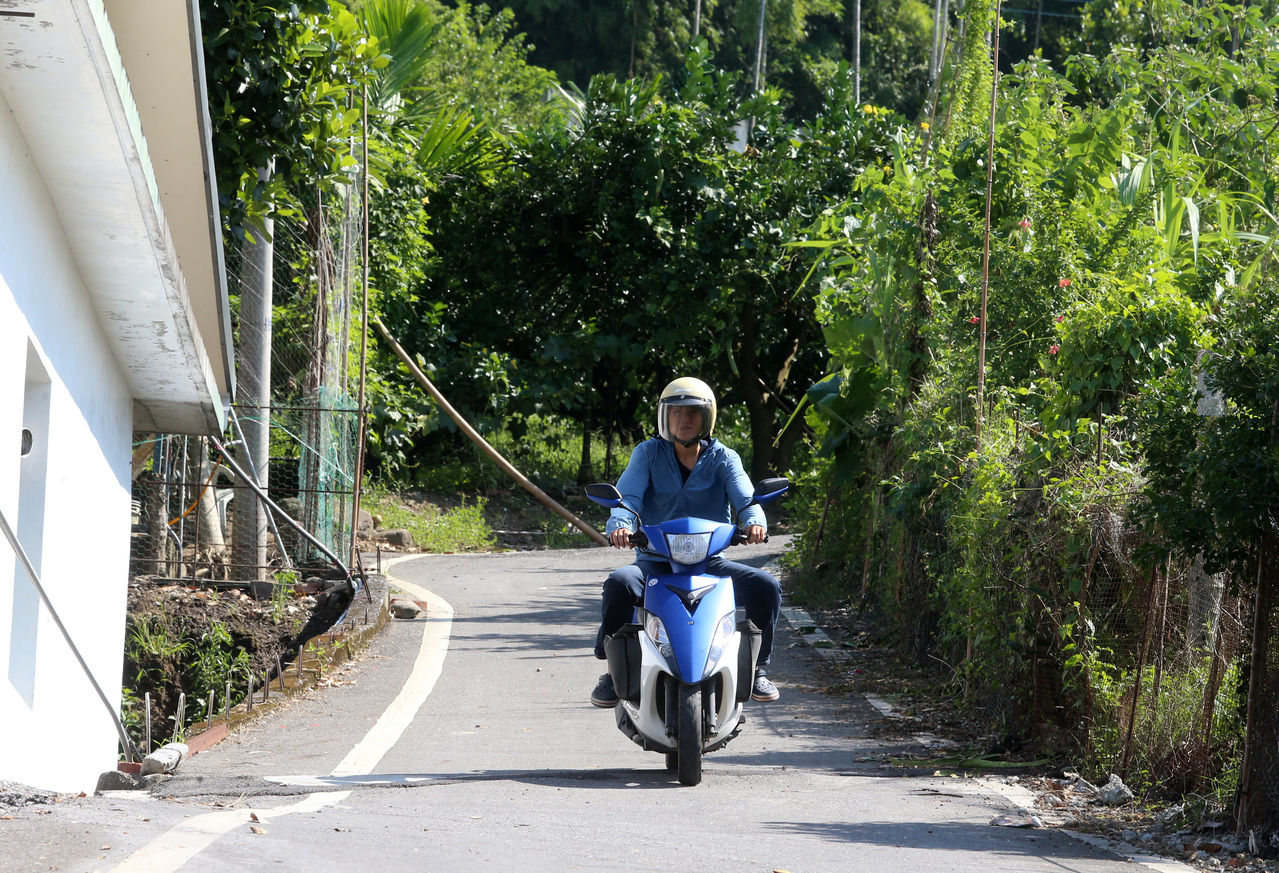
x=758 y=591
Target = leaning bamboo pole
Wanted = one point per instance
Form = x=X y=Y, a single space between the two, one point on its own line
x=479 y=440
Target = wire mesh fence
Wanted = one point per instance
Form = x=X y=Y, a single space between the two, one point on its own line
x=1140 y=673
x=185 y=493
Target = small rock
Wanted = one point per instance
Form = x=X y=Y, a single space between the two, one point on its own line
x=395 y=537
x=365 y=526
x=153 y=779
x=405 y=609
x=1166 y=817
x=115 y=780
x=1114 y=792
x=1127 y=835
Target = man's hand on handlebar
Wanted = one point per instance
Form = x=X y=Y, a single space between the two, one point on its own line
x=620 y=538
x=755 y=534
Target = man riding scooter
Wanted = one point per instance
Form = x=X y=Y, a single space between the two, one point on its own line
x=685 y=471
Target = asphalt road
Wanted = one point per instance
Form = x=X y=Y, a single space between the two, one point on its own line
x=464 y=741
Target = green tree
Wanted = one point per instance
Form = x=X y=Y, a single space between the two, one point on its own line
x=604 y=259
x=283 y=83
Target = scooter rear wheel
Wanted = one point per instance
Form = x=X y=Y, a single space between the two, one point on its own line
x=689 y=741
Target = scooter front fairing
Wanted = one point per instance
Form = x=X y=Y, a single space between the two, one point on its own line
x=698 y=616
x=690 y=636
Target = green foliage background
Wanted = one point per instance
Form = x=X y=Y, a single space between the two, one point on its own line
x=1131 y=260
x=554 y=254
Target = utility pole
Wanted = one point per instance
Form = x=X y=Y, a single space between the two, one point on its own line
x=985 y=259
x=759 y=48
x=256 y=300
x=937 y=25
x=857 y=52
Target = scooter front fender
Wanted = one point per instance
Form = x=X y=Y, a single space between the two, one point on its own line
x=644 y=720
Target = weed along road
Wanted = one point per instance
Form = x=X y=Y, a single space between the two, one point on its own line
x=465 y=741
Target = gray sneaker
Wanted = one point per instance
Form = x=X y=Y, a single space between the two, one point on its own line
x=604 y=695
x=763 y=689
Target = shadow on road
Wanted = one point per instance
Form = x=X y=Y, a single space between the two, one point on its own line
x=256 y=786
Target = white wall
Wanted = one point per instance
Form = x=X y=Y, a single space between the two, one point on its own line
x=61 y=738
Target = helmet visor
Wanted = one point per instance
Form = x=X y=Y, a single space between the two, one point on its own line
x=684 y=419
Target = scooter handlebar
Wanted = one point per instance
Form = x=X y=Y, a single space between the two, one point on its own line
x=739 y=538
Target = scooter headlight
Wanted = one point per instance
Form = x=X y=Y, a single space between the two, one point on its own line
x=655 y=629
x=723 y=634
x=657 y=633
x=688 y=548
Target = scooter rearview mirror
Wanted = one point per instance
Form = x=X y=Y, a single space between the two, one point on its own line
x=771 y=489
x=604 y=494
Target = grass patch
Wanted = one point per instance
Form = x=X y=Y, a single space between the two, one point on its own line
x=435 y=528
x=546 y=449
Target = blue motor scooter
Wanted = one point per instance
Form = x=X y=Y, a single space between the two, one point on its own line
x=684 y=668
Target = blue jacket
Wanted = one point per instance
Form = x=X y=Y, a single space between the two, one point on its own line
x=717 y=488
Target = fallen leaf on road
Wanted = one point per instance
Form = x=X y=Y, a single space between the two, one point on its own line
x=257 y=830
x=104 y=848
x=1004 y=821
x=254 y=817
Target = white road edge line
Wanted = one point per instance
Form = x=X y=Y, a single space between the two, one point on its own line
x=172 y=849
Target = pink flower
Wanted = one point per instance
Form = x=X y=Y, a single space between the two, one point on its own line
x=1052 y=350
x=1060 y=319
x=974 y=320
x=1024 y=224
x=1063 y=283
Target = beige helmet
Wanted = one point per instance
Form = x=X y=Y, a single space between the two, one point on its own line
x=687 y=392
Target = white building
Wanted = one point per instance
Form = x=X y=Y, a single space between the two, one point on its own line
x=113 y=318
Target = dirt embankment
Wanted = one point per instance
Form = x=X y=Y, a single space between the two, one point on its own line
x=186 y=639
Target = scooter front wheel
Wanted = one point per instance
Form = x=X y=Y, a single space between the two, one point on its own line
x=689 y=740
